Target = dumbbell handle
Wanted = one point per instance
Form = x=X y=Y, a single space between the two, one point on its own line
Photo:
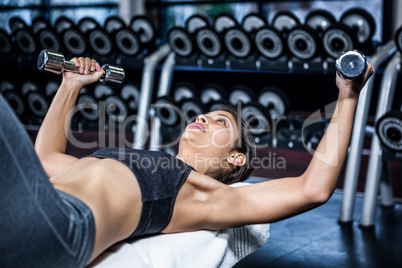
x=54 y=62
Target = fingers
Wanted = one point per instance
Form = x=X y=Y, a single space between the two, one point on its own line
x=86 y=65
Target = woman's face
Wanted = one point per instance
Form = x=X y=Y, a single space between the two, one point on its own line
x=212 y=136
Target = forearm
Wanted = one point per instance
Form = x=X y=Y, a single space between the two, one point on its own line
x=52 y=135
x=322 y=174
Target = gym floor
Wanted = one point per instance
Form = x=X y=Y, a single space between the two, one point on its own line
x=315 y=239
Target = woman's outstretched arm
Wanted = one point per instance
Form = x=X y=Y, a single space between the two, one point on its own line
x=51 y=142
x=282 y=198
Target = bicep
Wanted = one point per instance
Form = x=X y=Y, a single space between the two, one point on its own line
x=53 y=164
x=264 y=202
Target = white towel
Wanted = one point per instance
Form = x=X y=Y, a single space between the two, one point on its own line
x=193 y=249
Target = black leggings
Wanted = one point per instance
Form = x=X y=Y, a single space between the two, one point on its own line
x=39 y=226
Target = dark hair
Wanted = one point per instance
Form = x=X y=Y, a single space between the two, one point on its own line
x=244 y=144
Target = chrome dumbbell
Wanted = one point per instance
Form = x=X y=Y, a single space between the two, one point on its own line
x=351 y=65
x=54 y=62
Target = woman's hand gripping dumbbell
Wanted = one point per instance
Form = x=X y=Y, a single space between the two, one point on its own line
x=54 y=62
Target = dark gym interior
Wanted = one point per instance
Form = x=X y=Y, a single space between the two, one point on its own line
x=276 y=58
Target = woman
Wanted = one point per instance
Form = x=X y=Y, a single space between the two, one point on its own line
x=91 y=203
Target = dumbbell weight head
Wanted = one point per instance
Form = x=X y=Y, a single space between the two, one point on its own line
x=113 y=24
x=167 y=111
x=16 y=23
x=130 y=93
x=88 y=105
x=274 y=100
x=338 y=39
x=253 y=22
x=191 y=108
x=74 y=41
x=351 y=65
x=257 y=118
x=389 y=130
x=360 y=20
x=269 y=42
x=212 y=93
x=237 y=42
x=6 y=43
x=13 y=97
x=180 y=42
x=303 y=42
x=46 y=36
x=320 y=20
x=209 y=42
x=242 y=94
x=195 y=23
x=284 y=21
x=144 y=29
x=25 y=40
x=398 y=38
x=224 y=22
x=184 y=90
x=54 y=62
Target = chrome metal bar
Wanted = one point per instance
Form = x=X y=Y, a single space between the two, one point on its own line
x=147 y=83
x=386 y=95
x=165 y=83
x=356 y=144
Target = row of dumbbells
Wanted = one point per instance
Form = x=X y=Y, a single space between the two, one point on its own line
x=87 y=37
x=320 y=35
x=31 y=99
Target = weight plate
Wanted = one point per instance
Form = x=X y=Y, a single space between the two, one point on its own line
x=269 y=42
x=351 y=65
x=39 y=24
x=25 y=41
x=88 y=107
x=6 y=43
x=337 y=40
x=6 y=85
x=127 y=42
x=275 y=100
x=100 y=42
x=38 y=104
x=180 y=42
x=116 y=109
x=212 y=93
x=51 y=88
x=208 y=42
x=190 y=109
x=63 y=24
x=320 y=20
x=102 y=91
x=389 y=130
x=237 y=42
x=398 y=38
x=285 y=20
x=74 y=42
x=196 y=22
x=240 y=94
x=144 y=28
x=131 y=94
x=216 y=105
x=360 y=20
x=87 y=24
x=49 y=40
x=28 y=86
x=253 y=22
x=16 y=23
x=223 y=22
x=183 y=91
x=167 y=111
x=256 y=119
x=113 y=23
x=302 y=42
x=15 y=101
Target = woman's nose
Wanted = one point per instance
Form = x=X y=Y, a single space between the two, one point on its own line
x=201 y=119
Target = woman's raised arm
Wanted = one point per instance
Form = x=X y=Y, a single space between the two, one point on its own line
x=51 y=142
x=278 y=199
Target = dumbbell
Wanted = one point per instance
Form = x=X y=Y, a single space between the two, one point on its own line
x=361 y=21
x=126 y=41
x=241 y=93
x=7 y=45
x=54 y=62
x=320 y=20
x=97 y=38
x=73 y=40
x=303 y=42
x=46 y=36
x=351 y=65
x=145 y=30
x=14 y=98
x=23 y=37
x=389 y=130
x=284 y=21
x=274 y=100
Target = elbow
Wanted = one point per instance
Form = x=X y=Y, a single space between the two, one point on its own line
x=316 y=195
